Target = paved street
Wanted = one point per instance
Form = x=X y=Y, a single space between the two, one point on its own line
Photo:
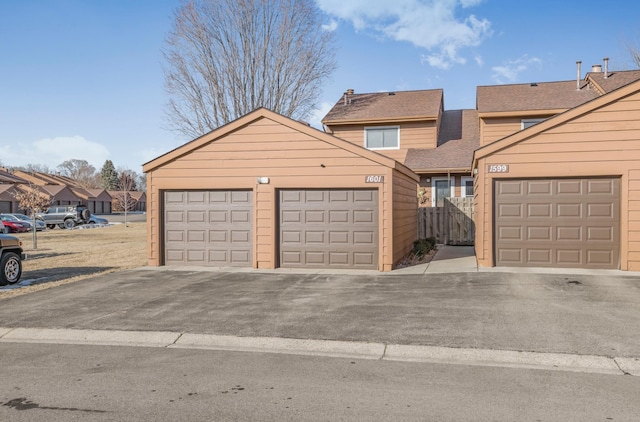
x=215 y=345
x=91 y=383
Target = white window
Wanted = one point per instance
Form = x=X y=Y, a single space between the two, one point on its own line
x=387 y=137
x=467 y=187
x=441 y=188
x=525 y=123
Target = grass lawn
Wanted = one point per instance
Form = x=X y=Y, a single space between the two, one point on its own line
x=65 y=256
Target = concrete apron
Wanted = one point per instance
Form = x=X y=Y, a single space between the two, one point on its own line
x=325 y=348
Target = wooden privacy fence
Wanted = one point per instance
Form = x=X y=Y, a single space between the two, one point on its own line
x=451 y=224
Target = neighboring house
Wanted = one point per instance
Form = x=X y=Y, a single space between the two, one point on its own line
x=101 y=201
x=66 y=191
x=136 y=199
x=265 y=191
x=413 y=128
x=566 y=191
x=8 y=188
x=438 y=145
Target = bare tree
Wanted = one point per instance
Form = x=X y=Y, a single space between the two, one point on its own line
x=633 y=50
x=81 y=171
x=225 y=58
x=35 y=168
x=126 y=185
x=33 y=200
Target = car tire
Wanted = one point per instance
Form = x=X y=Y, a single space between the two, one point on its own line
x=86 y=214
x=51 y=226
x=69 y=223
x=11 y=268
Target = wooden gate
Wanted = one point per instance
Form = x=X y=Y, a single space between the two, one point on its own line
x=451 y=224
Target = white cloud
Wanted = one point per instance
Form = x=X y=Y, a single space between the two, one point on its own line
x=54 y=151
x=318 y=114
x=331 y=26
x=509 y=71
x=432 y=25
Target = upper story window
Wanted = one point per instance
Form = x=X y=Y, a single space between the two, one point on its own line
x=387 y=137
x=530 y=122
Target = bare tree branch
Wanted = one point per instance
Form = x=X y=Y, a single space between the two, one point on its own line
x=226 y=58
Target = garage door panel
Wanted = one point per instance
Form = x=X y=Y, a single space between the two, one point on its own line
x=601 y=186
x=339 y=228
x=339 y=216
x=569 y=187
x=539 y=233
x=538 y=210
x=540 y=187
x=568 y=222
x=600 y=210
x=604 y=257
x=539 y=256
x=196 y=216
x=567 y=233
x=209 y=228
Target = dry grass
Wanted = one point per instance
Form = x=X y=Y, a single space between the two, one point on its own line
x=65 y=256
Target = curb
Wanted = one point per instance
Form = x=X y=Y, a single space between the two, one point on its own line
x=329 y=348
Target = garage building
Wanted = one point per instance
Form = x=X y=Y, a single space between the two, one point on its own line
x=266 y=191
x=565 y=192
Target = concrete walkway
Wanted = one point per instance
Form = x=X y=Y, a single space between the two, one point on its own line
x=448 y=259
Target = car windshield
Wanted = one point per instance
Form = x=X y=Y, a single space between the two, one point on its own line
x=21 y=217
x=7 y=217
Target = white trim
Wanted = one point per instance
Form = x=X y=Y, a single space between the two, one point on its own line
x=380 y=127
x=533 y=121
x=463 y=180
x=452 y=188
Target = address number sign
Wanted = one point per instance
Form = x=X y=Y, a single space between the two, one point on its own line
x=498 y=168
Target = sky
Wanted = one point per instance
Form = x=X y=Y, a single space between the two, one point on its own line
x=82 y=79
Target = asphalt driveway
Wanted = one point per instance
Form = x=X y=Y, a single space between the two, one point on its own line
x=581 y=314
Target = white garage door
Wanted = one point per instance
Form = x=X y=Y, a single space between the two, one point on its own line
x=208 y=228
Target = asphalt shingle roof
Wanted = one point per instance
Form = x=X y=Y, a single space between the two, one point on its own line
x=614 y=80
x=532 y=96
x=459 y=136
x=387 y=105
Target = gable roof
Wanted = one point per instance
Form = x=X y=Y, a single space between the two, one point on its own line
x=550 y=96
x=7 y=177
x=541 y=96
x=263 y=113
x=613 y=81
x=458 y=137
x=554 y=121
x=386 y=106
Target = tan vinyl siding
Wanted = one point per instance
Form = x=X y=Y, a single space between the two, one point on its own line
x=412 y=135
x=604 y=142
x=291 y=159
x=492 y=129
x=405 y=216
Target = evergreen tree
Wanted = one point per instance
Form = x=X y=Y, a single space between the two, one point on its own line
x=109 y=176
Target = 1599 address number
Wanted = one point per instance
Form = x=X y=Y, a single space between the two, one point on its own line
x=499 y=168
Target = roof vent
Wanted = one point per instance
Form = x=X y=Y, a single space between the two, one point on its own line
x=596 y=68
x=606 y=67
x=578 y=63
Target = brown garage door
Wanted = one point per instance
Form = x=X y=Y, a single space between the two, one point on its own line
x=571 y=223
x=329 y=228
x=209 y=228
